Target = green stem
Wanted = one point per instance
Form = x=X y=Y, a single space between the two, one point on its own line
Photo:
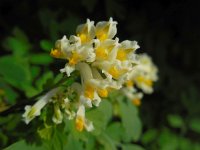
x=20 y=106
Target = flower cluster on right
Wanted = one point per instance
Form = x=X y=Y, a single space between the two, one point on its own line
x=104 y=64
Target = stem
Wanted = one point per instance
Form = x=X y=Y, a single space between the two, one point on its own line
x=20 y=106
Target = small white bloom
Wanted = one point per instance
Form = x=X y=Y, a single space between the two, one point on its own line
x=32 y=111
x=81 y=121
x=68 y=69
x=86 y=31
x=106 y=29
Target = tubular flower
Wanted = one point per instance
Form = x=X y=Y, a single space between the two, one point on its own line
x=32 y=111
x=81 y=122
x=105 y=64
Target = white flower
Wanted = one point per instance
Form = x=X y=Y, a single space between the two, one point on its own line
x=32 y=111
x=106 y=30
x=144 y=73
x=81 y=122
x=86 y=31
x=68 y=69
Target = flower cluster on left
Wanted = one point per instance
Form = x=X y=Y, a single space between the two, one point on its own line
x=104 y=64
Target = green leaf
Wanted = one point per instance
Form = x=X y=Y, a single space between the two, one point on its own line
x=46 y=45
x=15 y=73
x=115 y=131
x=9 y=93
x=41 y=59
x=130 y=121
x=107 y=142
x=106 y=108
x=42 y=81
x=185 y=144
x=175 y=121
x=132 y=147
x=73 y=144
x=100 y=116
x=168 y=141
x=194 y=125
x=99 y=120
x=46 y=132
x=35 y=71
x=149 y=136
x=18 y=44
x=24 y=146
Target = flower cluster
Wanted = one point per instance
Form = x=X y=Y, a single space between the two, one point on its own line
x=104 y=63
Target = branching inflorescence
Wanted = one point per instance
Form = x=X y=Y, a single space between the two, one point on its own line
x=104 y=64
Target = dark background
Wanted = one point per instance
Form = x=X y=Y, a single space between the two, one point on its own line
x=169 y=31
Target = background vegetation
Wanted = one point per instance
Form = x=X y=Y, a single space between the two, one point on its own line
x=167 y=31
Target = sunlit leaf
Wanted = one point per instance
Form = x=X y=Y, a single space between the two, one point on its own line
x=23 y=145
x=130 y=121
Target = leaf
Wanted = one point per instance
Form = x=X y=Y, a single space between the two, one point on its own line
x=42 y=81
x=185 y=144
x=149 y=136
x=131 y=147
x=73 y=144
x=100 y=116
x=35 y=71
x=106 y=108
x=46 y=45
x=15 y=73
x=167 y=140
x=18 y=43
x=115 y=131
x=46 y=132
x=23 y=146
x=99 y=120
x=175 y=121
x=130 y=121
x=41 y=59
x=107 y=142
x=9 y=93
x=194 y=125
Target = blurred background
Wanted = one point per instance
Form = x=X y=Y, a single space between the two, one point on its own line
x=169 y=31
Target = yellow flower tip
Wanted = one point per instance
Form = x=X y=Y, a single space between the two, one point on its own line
x=101 y=53
x=121 y=55
x=83 y=37
x=102 y=92
x=102 y=35
x=74 y=59
x=114 y=72
x=89 y=92
x=129 y=83
x=79 y=124
x=56 y=53
x=136 y=102
x=148 y=82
